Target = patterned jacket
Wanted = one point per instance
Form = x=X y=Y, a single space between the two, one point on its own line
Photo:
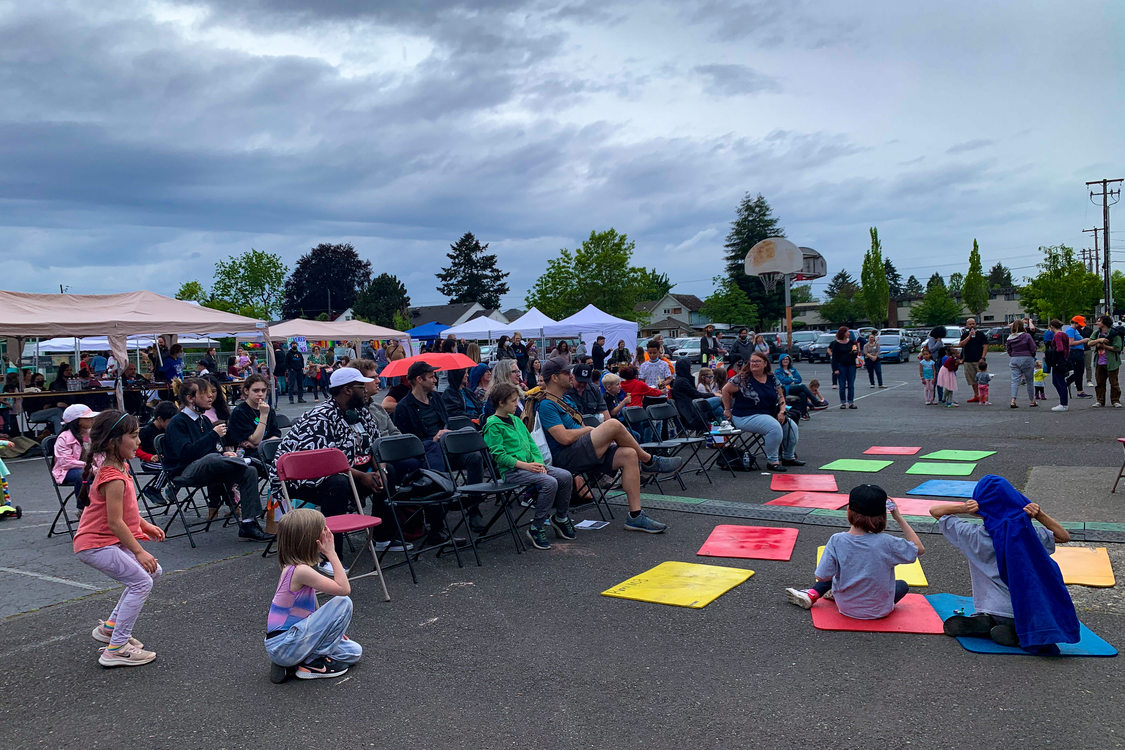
x=326 y=426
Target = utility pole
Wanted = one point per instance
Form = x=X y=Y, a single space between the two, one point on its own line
x=1105 y=194
x=1094 y=265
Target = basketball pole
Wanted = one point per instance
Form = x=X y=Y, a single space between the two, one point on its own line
x=788 y=315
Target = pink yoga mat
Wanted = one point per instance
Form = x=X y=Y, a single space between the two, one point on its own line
x=807 y=482
x=890 y=450
x=750 y=542
x=913 y=614
x=802 y=499
x=913 y=506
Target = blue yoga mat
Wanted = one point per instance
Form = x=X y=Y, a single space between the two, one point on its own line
x=944 y=488
x=946 y=604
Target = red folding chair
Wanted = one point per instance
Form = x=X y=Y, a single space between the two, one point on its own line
x=326 y=462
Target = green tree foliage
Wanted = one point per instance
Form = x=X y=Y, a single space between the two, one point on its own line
x=729 y=304
x=401 y=321
x=472 y=275
x=325 y=280
x=252 y=282
x=1062 y=288
x=956 y=280
x=1000 y=277
x=875 y=292
x=894 y=278
x=753 y=223
x=1117 y=281
x=913 y=287
x=974 y=291
x=938 y=307
x=379 y=301
x=192 y=291
x=654 y=284
x=843 y=306
x=935 y=280
x=801 y=293
x=600 y=272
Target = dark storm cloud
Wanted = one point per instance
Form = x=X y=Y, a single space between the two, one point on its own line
x=735 y=80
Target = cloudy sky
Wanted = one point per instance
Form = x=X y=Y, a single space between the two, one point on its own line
x=141 y=141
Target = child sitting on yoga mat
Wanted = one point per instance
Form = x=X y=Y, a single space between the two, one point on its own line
x=858 y=565
x=1019 y=596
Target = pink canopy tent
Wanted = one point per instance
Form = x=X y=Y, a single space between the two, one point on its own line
x=117 y=316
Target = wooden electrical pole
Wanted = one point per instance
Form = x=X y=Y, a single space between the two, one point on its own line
x=1105 y=194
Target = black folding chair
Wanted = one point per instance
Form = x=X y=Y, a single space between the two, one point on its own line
x=396 y=448
x=738 y=440
x=638 y=420
x=459 y=422
x=466 y=442
x=48 y=446
x=283 y=422
x=267 y=452
x=188 y=501
x=666 y=418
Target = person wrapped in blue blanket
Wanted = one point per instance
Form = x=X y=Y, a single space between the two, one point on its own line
x=1019 y=596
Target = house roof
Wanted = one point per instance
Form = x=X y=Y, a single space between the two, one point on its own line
x=667 y=324
x=690 y=301
x=513 y=314
x=445 y=314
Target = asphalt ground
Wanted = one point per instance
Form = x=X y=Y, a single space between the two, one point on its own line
x=525 y=652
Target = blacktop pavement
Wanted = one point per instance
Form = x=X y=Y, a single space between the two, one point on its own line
x=524 y=652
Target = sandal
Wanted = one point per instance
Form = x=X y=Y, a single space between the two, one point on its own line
x=1033 y=404
x=1013 y=405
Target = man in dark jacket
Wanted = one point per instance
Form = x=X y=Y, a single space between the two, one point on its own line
x=192 y=448
x=599 y=353
x=742 y=347
x=295 y=372
x=709 y=346
x=586 y=397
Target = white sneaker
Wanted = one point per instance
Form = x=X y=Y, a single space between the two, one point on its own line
x=126 y=656
x=326 y=568
x=1116 y=404
x=1095 y=405
x=799 y=597
x=1060 y=407
x=1090 y=383
x=393 y=547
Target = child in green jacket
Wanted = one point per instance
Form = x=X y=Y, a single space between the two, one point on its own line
x=521 y=462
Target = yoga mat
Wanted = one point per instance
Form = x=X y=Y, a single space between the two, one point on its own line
x=750 y=542
x=822 y=500
x=912 y=506
x=944 y=488
x=912 y=614
x=947 y=604
x=912 y=573
x=945 y=469
x=807 y=482
x=856 y=464
x=954 y=455
x=680 y=584
x=891 y=450
x=1085 y=566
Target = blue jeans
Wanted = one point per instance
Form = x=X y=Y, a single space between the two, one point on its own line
x=319 y=634
x=846 y=382
x=775 y=436
x=716 y=405
x=874 y=369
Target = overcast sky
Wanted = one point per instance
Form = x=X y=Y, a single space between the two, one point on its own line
x=141 y=141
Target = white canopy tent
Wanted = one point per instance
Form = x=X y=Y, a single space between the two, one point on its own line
x=62 y=344
x=529 y=325
x=481 y=327
x=590 y=322
x=331 y=330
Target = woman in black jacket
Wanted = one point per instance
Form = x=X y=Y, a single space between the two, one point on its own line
x=844 y=353
x=684 y=394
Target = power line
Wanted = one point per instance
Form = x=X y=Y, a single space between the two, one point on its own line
x=1105 y=194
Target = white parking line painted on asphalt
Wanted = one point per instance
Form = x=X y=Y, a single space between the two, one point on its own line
x=877 y=391
x=18 y=526
x=52 y=579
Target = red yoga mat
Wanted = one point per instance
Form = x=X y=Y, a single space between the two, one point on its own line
x=914 y=506
x=807 y=482
x=750 y=542
x=913 y=614
x=891 y=450
x=822 y=500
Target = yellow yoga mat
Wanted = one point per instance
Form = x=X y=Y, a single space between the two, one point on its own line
x=912 y=573
x=1085 y=566
x=680 y=584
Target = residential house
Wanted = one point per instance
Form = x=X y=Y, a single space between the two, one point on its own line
x=673 y=315
x=452 y=314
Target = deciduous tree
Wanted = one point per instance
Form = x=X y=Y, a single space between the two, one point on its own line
x=1063 y=286
x=936 y=308
x=974 y=291
x=325 y=280
x=729 y=304
x=875 y=292
x=253 y=281
x=378 y=302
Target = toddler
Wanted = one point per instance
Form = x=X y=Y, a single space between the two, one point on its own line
x=947 y=379
x=927 y=374
x=814 y=388
x=1039 y=378
x=984 y=377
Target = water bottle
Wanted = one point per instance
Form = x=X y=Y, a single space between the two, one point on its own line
x=745 y=461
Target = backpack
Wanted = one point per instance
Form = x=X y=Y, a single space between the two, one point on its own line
x=733 y=459
x=1058 y=353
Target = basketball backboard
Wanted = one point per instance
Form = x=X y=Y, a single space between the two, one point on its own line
x=813 y=265
x=774 y=255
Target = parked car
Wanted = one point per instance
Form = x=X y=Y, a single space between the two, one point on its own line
x=802 y=340
x=953 y=335
x=997 y=335
x=911 y=339
x=818 y=350
x=689 y=349
x=893 y=348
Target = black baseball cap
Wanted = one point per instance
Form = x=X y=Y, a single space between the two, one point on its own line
x=868 y=500
x=554 y=366
x=417 y=369
x=584 y=373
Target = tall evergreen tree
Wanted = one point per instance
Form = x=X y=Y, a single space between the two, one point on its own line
x=1000 y=277
x=913 y=287
x=974 y=291
x=875 y=291
x=935 y=280
x=894 y=278
x=325 y=281
x=841 y=282
x=379 y=301
x=472 y=275
x=753 y=223
x=843 y=304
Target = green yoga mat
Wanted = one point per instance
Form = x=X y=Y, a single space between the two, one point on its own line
x=942 y=469
x=953 y=455
x=856 y=464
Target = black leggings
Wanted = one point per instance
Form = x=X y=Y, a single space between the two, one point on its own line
x=823 y=587
x=1077 y=362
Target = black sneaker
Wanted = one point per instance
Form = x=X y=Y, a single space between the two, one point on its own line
x=792 y=462
x=477 y=523
x=441 y=537
x=564 y=527
x=1004 y=634
x=320 y=668
x=253 y=532
x=971 y=625
x=153 y=496
x=538 y=536
x=279 y=674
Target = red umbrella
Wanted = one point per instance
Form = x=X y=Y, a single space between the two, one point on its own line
x=438 y=360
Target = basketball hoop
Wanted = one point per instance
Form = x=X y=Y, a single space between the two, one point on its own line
x=769 y=280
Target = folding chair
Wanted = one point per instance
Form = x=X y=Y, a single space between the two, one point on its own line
x=1120 y=473
x=637 y=419
x=465 y=443
x=267 y=452
x=189 y=501
x=665 y=416
x=737 y=439
x=48 y=446
x=327 y=462
x=460 y=422
x=283 y=422
x=395 y=448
